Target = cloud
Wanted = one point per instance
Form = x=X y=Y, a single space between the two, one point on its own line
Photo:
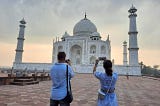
x=49 y=18
x=46 y=19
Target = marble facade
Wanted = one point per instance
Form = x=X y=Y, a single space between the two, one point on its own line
x=84 y=46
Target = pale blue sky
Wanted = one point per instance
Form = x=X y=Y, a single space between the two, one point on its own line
x=47 y=19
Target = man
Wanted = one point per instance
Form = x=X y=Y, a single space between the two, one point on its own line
x=58 y=77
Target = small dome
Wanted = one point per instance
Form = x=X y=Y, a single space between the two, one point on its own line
x=132 y=9
x=23 y=21
x=84 y=26
x=65 y=35
x=96 y=34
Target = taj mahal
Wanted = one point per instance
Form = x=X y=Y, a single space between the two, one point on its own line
x=83 y=48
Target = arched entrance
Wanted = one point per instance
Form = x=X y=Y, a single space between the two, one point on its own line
x=92 y=60
x=76 y=54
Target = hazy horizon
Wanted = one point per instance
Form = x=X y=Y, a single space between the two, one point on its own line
x=49 y=19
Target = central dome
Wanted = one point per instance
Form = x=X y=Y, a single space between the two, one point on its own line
x=84 y=26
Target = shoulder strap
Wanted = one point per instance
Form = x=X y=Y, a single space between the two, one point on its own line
x=67 y=77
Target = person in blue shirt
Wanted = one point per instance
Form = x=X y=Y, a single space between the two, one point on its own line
x=58 y=77
x=108 y=79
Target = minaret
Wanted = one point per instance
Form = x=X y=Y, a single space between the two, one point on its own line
x=108 y=37
x=125 y=53
x=133 y=46
x=19 y=50
x=53 y=52
x=109 y=46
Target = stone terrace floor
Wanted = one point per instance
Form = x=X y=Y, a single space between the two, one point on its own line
x=137 y=91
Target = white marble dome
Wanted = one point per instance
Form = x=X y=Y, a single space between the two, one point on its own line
x=84 y=26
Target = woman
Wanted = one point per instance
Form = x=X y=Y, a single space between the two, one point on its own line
x=106 y=94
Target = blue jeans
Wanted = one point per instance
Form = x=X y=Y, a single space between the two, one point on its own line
x=57 y=102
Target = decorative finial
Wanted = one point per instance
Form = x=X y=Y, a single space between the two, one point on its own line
x=85 y=16
x=65 y=32
x=132 y=6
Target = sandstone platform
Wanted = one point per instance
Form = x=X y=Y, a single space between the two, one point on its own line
x=137 y=91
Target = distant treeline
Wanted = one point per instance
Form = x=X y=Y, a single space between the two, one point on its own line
x=150 y=71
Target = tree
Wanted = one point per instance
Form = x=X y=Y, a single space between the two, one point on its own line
x=156 y=66
x=148 y=70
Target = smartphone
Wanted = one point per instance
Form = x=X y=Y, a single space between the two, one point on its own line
x=102 y=58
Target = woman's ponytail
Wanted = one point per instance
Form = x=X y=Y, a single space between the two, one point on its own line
x=107 y=65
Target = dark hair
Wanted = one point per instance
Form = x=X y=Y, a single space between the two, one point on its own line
x=107 y=65
x=61 y=56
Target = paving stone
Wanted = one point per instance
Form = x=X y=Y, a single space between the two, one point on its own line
x=137 y=91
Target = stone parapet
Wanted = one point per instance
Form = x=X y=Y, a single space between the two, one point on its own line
x=33 y=66
x=39 y=67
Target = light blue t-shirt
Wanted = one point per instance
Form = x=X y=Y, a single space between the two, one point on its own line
x=58 y=77
x=105 y=80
